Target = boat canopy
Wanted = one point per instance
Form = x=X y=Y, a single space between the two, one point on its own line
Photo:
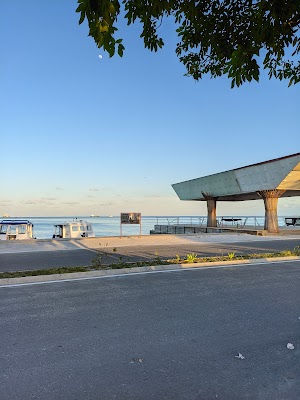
x=15 y=222
x=16 y=229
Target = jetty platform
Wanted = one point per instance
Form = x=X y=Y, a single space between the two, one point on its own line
x=176 y=229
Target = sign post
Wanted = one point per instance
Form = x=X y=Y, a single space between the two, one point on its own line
x=131 y=219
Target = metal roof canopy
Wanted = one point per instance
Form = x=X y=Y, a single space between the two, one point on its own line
x=244 y=183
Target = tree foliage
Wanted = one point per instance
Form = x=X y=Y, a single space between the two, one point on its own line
x=217 y=37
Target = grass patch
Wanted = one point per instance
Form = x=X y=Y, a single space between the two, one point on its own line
x=190 y=258
x=232 y=256
x=37 y=272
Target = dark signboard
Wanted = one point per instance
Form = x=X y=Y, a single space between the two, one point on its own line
x=130 y=218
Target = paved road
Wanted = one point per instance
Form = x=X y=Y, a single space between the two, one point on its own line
x=67 y=258
x=171 y=335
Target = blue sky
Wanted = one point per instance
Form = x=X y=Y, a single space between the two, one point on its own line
x=82 y=135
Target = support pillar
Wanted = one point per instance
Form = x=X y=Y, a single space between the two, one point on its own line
x=270 y=198
x=211 y=203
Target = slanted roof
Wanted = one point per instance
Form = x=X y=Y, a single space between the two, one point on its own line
x=244 y=183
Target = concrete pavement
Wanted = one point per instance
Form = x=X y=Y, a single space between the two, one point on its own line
x=128 y=241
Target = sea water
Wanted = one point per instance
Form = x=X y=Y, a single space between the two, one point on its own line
x=43 y=227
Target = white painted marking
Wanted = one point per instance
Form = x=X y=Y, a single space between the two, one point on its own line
x=145 y=273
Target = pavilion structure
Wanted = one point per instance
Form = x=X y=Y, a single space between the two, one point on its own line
x=267 y=180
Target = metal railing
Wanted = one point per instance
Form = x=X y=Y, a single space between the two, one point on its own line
x=222 y=221
x=181 y=220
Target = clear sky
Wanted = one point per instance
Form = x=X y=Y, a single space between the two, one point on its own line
x=82 y=135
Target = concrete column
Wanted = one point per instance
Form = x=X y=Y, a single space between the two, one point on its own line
x=211 y=203
x=270 y=198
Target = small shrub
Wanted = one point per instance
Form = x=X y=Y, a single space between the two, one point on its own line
x=177 y=259
x=297 y=250
x=191 y=258
x=157 y=258
x=286 y=253
x=97 y=261
x=231 y=256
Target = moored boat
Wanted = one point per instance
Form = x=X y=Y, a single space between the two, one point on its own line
x=73 y=230
x=16 y=229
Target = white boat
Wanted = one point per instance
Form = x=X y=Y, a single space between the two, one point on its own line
x=16 y=229
x=73 y=230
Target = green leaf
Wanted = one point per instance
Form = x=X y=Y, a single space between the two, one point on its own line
x=121 y=50
x=80 y=8
x=111 y=50
x=82 y=17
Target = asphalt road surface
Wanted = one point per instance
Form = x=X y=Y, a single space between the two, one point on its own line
x=67 y=258
x=192 y=334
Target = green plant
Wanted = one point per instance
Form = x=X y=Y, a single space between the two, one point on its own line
x=286 y=253
x=177 y=259
x=231 y=256
x=297 y=250
x=191 y=258
x=97 y=261
x=157 y=258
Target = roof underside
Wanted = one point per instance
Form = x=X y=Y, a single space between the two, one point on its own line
x=244 y=183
